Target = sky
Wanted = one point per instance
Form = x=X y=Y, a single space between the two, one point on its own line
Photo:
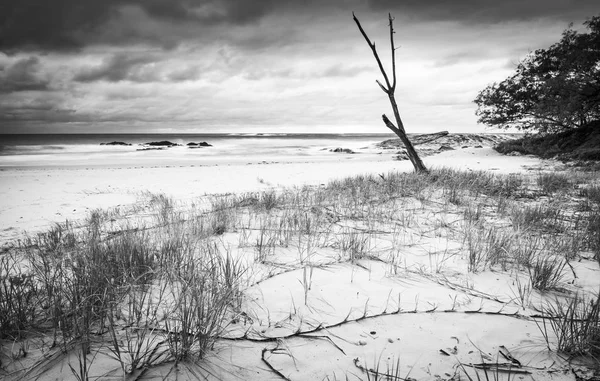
x=193 y=66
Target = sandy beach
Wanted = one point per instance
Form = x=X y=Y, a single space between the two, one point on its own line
x=385 y=288
x=35 y=197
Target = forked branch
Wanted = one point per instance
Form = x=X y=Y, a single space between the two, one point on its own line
x=389 y=89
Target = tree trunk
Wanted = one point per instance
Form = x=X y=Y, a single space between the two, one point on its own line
x=410 y=149
x=389 y=89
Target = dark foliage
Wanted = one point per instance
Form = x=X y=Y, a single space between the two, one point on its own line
x=575 y=144
x=552 y=90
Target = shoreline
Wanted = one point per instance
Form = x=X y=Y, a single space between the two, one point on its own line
x=31 y=199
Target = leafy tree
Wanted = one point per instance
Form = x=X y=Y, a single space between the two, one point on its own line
x=553 y=89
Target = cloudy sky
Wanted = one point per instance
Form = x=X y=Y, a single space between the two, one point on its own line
x=259 y=65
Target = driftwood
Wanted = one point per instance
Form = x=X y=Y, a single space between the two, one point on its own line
x=427 y=138
x=389 y=88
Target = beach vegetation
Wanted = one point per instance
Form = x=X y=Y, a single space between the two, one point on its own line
x=171 y=283
x=575 y=323
x=552 y=89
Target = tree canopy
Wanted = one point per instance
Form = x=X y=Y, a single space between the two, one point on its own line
x=552 y=90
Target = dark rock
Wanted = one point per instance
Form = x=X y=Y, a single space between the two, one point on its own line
x=163 y=143
x=341 y=150
x=151 y=149
x=445 y=148
x=480 y=146
x=463 y=147
x=196 y=145
x=115 y=144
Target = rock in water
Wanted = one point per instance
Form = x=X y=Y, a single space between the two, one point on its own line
x=163 y=143
x=197 y=145
x=341 y=150
x=115 y=144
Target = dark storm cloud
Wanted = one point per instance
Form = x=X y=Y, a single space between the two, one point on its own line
x=23 y=75
x=490 y=11
x=72 y=24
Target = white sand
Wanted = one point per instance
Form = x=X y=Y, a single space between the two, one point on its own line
x=33 y=199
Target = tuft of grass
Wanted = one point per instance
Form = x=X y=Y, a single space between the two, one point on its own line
x=593 y=233
x=200 y=302
x=576 y=325
x=546 y=272
x=18 y=298
x=486 y=246
x=164 y=206
x=268 y=200
x=353 y=245
x=133 y=326
x=592 y=193
x=523 y=293
x=552 y=182
x=265 y=242
x=538 y=217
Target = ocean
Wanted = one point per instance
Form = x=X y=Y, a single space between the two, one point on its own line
x=86 y=150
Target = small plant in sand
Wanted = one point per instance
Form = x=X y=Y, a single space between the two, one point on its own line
x=576 y=326
x=268 y=200
x=85 y=360
x=592 y=231
x=199 y=301
x=265 y=243
x=551 y=182
x=486 y=246
x=591 y=193
x=164 y=206
x=306 y=282
x=18 y=298
x=353 y=245
x=133 y=325
x=522 y=290
x=539 y=217
x=546 y=272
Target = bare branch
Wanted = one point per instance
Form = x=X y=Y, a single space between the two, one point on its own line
x=393 y=88
x=382 y=87
x=389 y=123
x=389 y=90
x=374 y=50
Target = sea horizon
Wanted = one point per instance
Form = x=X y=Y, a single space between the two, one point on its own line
x=50 y=150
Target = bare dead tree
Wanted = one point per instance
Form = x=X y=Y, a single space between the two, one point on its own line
x=389 y=89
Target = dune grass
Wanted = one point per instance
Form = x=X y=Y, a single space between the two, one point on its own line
x=164 y=285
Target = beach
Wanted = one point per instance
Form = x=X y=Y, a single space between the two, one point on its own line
x=37 y=191
x=337 y=265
